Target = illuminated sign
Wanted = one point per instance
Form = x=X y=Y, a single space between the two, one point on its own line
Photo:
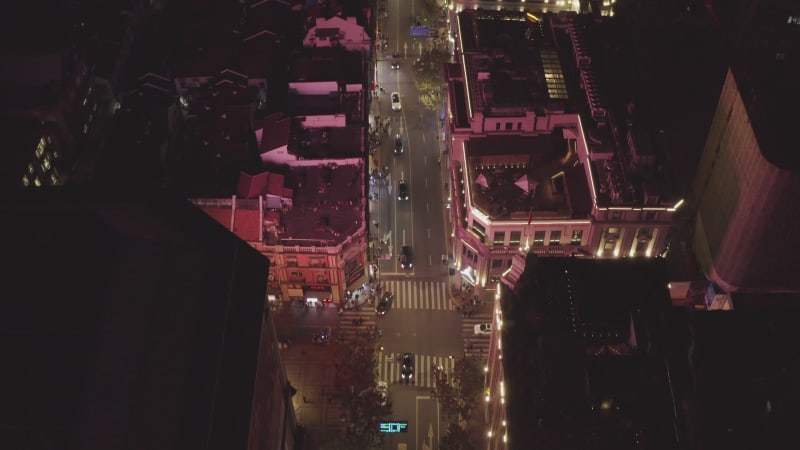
x=394 y=427
x=420 y=31
x=355 y=275
x=317 y=287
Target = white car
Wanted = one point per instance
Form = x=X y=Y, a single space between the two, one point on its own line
x=396 y=106
x=483 y=328
x=382 y=388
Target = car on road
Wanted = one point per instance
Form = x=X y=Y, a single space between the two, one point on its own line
x=398 y=145
x=483 y=328
x=407 y=368
x=384 y=304
x=406 y=259
x=395 y=64
x=382 y=388
x=402 y=190
x=396 y=106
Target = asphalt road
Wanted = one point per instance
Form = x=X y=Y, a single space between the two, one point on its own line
x=425 y=325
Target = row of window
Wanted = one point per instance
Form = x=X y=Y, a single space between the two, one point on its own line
x=538 y=237
x=299 y=277
x=509 y=126
x=312 y=261
x=642 y=215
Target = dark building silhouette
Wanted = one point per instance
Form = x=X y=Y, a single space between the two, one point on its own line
x=577 y=359
x=134 y=323
x=749 y=174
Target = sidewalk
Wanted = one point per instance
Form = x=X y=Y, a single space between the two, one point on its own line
x=310 y=369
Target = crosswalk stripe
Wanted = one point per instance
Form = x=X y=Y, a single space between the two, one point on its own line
x=411 y=294
x=388 y=369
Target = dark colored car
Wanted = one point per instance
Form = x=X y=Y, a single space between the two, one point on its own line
x=402 y=190
x=384 y=304
x=406 y=260
x=395 y=64
x=398 y=145
x=407 y=369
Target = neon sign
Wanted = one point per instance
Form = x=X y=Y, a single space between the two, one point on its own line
x=394 y=427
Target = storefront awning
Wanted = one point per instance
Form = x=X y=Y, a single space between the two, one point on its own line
x=296 y=293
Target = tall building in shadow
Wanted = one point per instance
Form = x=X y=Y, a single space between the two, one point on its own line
x=135 y=323
x=748 y=179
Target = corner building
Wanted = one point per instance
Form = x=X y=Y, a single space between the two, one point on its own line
x=538 y=161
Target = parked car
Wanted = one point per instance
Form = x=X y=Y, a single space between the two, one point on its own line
x=402 y=190
x=407 y=369
x=406 y=259
x=396 y=106
x=483 y=328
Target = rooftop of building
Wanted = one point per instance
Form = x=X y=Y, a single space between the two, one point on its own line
x=581 y=369
x=511 y=63
x=514 y=176
x=326 y=142
x=327 y=206
x=743 y=372
x=283 y=18
x=327 y=64
x=207 y=39
x=625 y=164
x=138 y=337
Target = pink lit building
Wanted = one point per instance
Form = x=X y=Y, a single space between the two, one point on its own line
x=538 y=162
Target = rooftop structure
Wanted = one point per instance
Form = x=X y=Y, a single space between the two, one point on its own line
x=338 y=31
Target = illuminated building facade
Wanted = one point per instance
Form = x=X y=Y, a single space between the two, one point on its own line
x=538 y=162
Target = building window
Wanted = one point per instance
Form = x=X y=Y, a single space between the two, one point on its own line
x=296 y=276
x=323 y=278
x=497 y=126
x=479 y=229
x=291 y=261
x=497 y=263
x=509 y=126
x=519 y=125
x=577 y=237
x=316 y=261
x=555 y=237
x=538 y=238
x=515 y=238
x=499 y=237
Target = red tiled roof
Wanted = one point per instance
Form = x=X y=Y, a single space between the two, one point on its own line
x=246 y=224
x=275 y=184
x=251 y=186
x=275 y=133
